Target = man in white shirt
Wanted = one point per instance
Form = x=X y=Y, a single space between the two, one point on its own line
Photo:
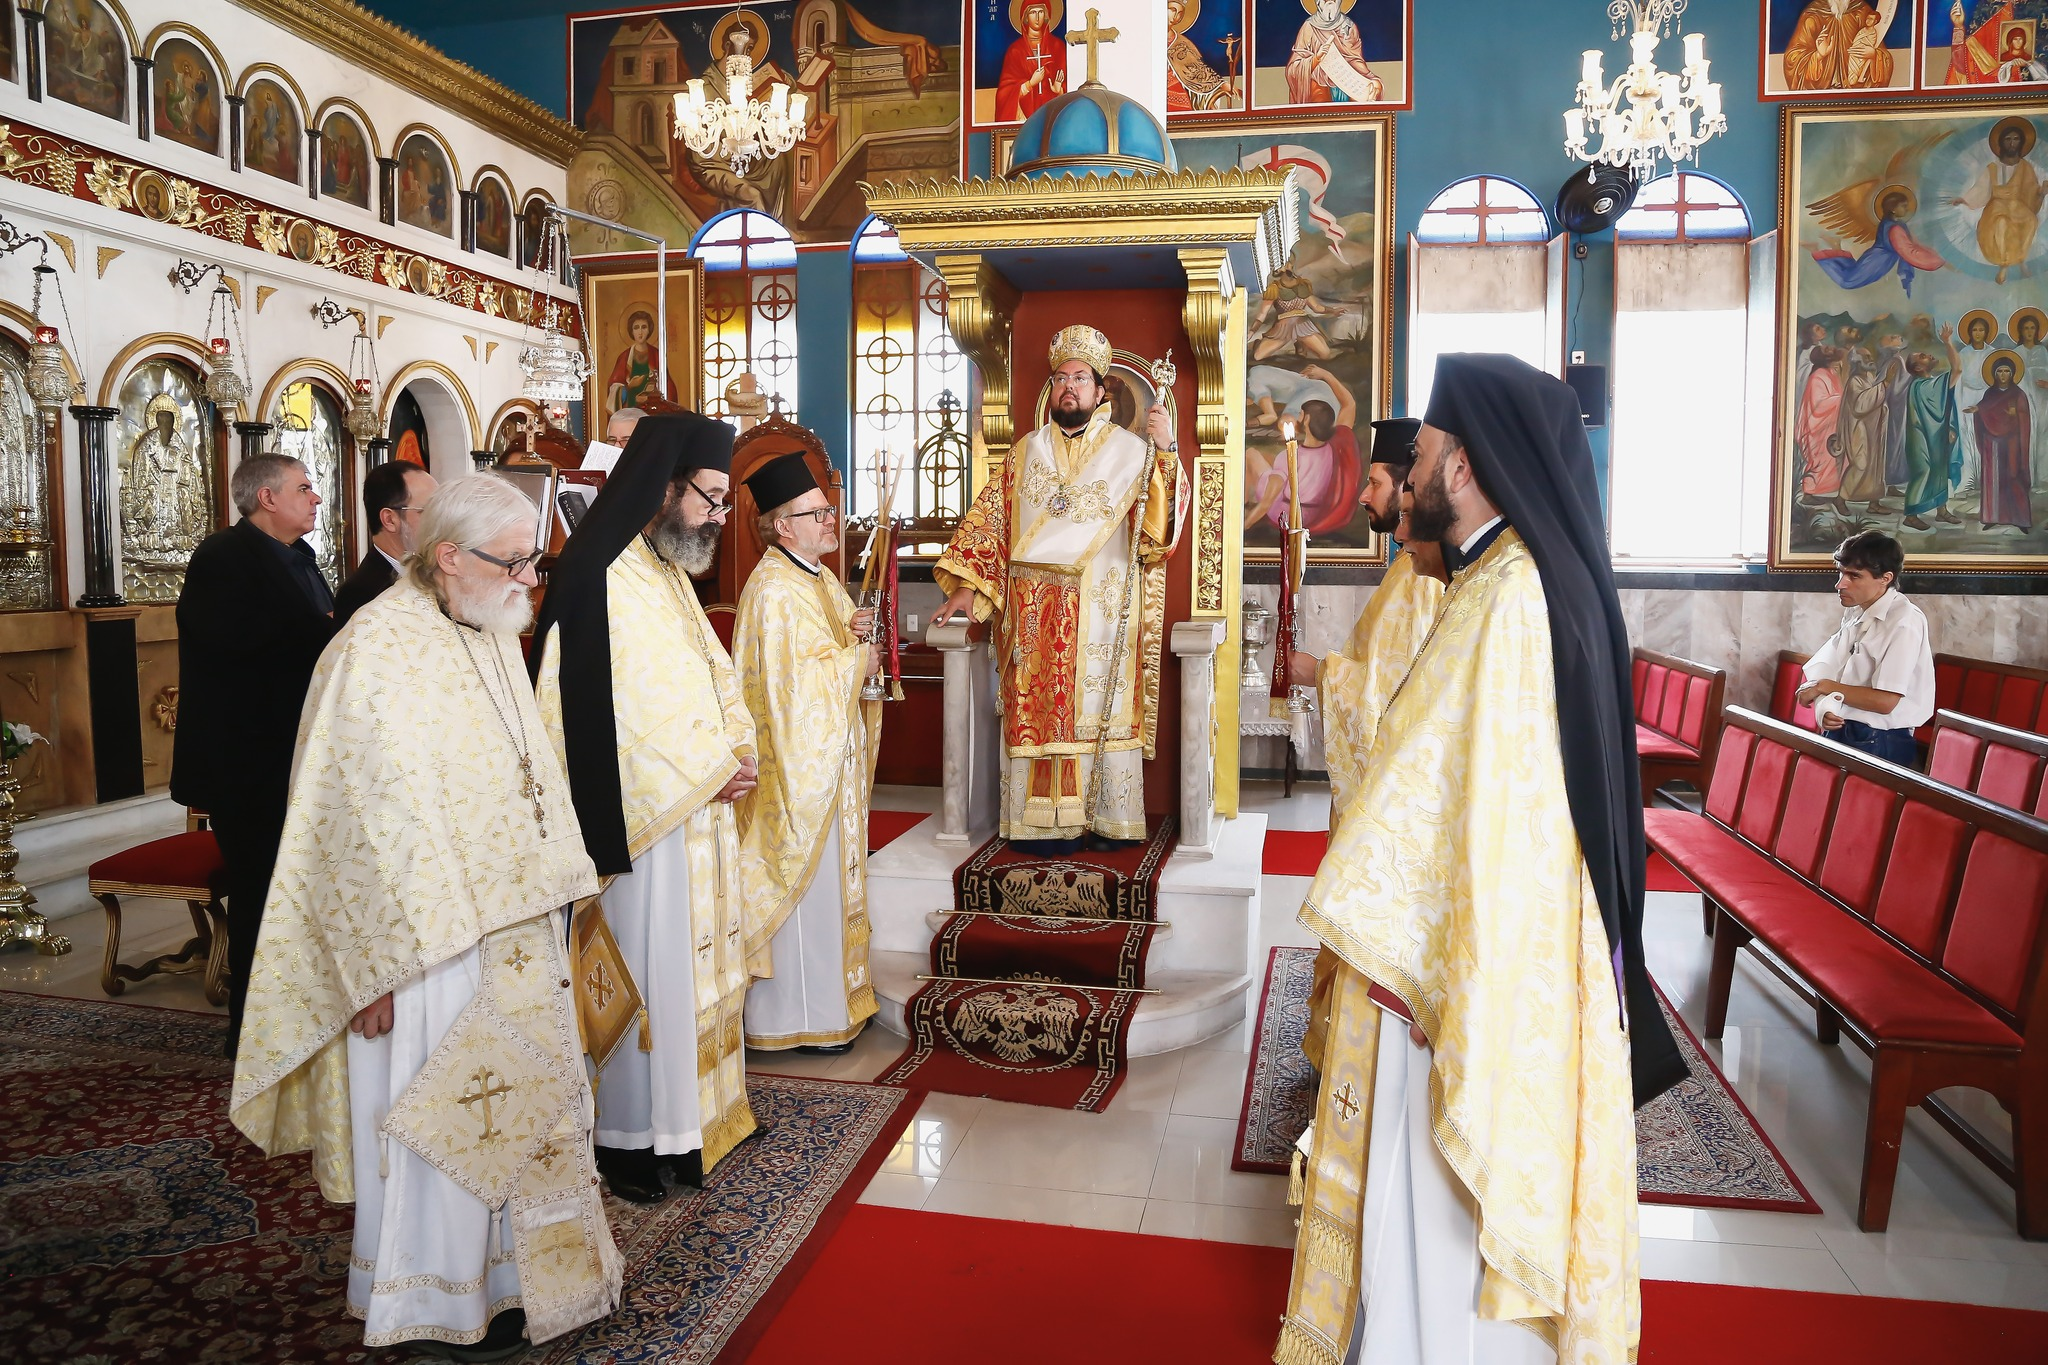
x=393 y=495
x=1879 y=661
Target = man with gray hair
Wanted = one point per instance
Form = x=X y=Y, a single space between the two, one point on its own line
x=253 y=617
x=408 y=1020
x=620 y=427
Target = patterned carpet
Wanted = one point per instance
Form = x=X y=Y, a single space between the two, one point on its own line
x=1696 y=1145
x=135 y=1223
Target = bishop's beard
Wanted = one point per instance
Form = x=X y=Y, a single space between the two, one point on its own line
x=1431 y=515
x=501 y=608
x=693 y=549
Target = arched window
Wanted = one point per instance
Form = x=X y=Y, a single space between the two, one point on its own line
x=1483 y=210
x=1687 y=476
x=749 y=306
x=307 y=427
x=910 y=384
x=1505 y=301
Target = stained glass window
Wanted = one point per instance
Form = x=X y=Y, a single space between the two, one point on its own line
x=910 y=385
x=1483 y=210
x=306 y=425
x=749 y=307
x=1684 y=207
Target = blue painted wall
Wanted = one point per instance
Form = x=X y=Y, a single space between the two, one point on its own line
x=1492 y=78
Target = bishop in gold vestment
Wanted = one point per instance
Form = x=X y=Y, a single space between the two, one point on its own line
x=802 y=652
x=428 y=851
x=1068 y=547
x=1471 y=1191
x=642 y=697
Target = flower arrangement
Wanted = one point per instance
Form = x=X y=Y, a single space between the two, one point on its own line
x=15 y=739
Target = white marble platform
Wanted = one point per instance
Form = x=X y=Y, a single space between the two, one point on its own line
x=1202 y=962
x=58 y=847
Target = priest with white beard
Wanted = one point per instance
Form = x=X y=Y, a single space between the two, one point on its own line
x=408 y=1019
x=803 y=651
x=640 y=698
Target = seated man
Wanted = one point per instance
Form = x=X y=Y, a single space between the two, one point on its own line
x=1879 y=661
x=408 y=1019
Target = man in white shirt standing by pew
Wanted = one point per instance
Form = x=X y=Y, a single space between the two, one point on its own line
x=1872 y=684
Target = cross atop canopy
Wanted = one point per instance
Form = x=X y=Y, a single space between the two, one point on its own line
x=1094 y=35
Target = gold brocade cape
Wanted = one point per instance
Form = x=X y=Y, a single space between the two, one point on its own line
x=407 y=843
x=1353 y=685
x=801 y=670
x=682 y=728
x=1028 y=548
x=1456 y=881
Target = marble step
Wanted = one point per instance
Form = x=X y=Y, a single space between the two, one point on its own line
x=56 y=848
x=1191 y=1006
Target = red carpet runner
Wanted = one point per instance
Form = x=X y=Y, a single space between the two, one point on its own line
x=886 y=826
x=895 y=1286
x=1298 y=852
x=1042 y=971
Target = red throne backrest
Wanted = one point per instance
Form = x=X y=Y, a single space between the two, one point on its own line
x=740 y=549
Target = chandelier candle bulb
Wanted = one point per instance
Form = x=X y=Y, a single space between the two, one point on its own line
x=1642 y=47
x=1695 y=50
x=1590 y=75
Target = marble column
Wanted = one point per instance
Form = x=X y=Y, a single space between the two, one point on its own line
x=32 y=51
x=252 y=434
x=973 y=733
x=95 y=481
x=235 y=103
x=379 y=451
x=387 y=189
x=1195 y=644
x=313 y=163
x=466 y=225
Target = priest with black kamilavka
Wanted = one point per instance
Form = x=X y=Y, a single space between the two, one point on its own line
x=1353 y=683
x=641 y=697
x=1471 y=1192
x=803 y=652
x=407 y=1022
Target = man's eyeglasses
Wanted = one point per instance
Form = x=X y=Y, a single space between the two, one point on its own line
x=514 y=567
x=1073 y=381
x=716 y=508
x=818 y=514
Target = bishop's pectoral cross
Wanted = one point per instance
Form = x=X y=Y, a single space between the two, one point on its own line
x=531 y=790
x=485 y=1087
x=1094 y=36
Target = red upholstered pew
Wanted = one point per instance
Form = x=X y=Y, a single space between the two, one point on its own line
x=1906 y=911
x=1998 y=763
x=1678 y=718
x=2009 y=694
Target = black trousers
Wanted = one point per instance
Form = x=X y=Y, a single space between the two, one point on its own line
x=248 y=845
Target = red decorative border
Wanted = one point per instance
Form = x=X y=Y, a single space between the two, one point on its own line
x=76 y=170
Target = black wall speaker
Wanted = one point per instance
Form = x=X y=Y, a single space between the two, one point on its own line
x=1589 y=382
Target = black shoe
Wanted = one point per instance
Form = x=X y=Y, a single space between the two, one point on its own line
x=1046 y=848
x=686 y=1169
x=505 y=1338
x=632 y=1173
x=1097 y=843
x=827 y=1049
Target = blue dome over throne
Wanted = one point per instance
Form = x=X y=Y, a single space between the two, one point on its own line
x=1091 y=131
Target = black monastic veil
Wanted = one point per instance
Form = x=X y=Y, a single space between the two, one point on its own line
x=1527 y=444
x=661 y=449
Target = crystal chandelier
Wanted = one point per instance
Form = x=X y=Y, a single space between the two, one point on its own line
x=554 y=367
x=738 y=128
x=1646 y=113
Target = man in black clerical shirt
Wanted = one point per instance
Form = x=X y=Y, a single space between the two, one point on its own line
x=393 y=495
x=252 y=619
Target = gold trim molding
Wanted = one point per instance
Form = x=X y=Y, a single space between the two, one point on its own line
x=980 y=304
x=377 y=45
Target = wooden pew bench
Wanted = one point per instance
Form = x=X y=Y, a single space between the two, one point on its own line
x=1907 y=912
x=1678 y=718
x=1998 y=763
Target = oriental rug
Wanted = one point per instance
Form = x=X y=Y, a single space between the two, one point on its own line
x=869 y=1301
x=137 y=1224
x=1697 y=1144
x=1037 y=976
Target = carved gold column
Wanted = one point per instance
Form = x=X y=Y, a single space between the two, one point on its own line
x=979 y=306
x=1213 y=317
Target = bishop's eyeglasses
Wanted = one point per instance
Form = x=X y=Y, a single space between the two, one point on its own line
x=513 y=567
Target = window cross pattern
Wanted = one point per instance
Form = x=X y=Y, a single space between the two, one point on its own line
x=910 y=384
x=1684 y=207
x=749 y=308
x=1483 y=210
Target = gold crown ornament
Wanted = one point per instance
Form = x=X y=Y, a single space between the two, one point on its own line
x=1080 y=342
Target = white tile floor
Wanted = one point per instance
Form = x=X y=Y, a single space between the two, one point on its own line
x=1159 y=1160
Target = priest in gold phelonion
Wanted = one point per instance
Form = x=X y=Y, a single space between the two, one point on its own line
x=1067 y=550
x=803 y=652
x=409 y=1019
x=641 y=697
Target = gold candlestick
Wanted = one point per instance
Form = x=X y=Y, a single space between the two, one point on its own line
x=18 y=923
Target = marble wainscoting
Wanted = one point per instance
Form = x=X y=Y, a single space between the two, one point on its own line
x=1742 y=632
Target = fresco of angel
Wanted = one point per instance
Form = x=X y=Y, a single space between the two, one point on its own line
x=1875 y=212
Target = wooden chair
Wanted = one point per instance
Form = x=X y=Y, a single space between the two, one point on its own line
x=185 y=867
x=740 y=548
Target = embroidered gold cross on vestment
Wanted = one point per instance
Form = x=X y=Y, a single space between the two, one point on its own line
x=1345 y=1102
x=485 y=1087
